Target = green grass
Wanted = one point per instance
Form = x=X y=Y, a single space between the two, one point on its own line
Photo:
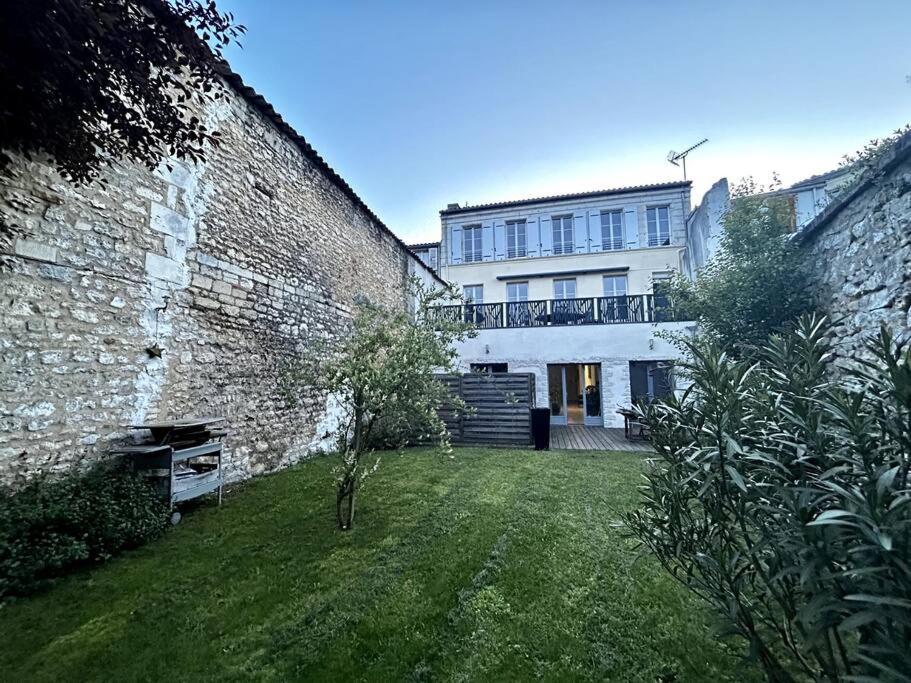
x=492 y=564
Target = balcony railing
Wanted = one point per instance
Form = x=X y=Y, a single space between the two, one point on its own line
x=602 y=310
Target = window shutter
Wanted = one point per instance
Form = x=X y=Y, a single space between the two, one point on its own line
x=631 y=226
x=533 y=236
x=580 y=233
x=487 y=241
x=547 y=236
x=456 y=244
x=499 y=240
x=594 y=230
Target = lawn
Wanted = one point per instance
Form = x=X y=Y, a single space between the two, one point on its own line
x=492 y=564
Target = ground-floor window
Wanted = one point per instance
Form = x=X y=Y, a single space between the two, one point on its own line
x=574 y=393
x=489 y=367
x=649 y=380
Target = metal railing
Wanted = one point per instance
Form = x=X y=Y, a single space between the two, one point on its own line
x=602 y=310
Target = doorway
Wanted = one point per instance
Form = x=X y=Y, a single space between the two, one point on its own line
x=649 y=380
x=574 y=392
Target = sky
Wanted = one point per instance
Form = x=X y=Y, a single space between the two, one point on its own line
x=419 y=104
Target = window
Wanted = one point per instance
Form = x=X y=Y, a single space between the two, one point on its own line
x=611 y=230
x=517 y=291
x=563 y=235
x=515 y=239
x=564 y=289
x=659 y=226
x=487 y=368
x=471 y=244
x=474 y=294
x=615 y=285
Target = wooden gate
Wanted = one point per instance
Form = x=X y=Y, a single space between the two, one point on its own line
x=501 y=403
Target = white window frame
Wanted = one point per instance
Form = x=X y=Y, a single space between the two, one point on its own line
x=614 y=290
x=562 y=282
x=614 y=224
x=559 y=229
x=516 y=248
x=472 y=243
x=516 y=291
x=474 y=289
x=653 y=221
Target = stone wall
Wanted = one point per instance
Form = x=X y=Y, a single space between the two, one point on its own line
x=224 y=269
x=859 y=252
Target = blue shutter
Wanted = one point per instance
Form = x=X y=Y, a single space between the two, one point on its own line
x=499 y=240
x=487 y=241
x=594 y=230
x=580 y=233
x=455 y=243
x=547 y=236
x=532 y=236
x=631 y=226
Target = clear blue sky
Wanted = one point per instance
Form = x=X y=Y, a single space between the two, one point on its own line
x=418 y=104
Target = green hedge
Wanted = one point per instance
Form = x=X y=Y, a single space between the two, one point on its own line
x=54 y=525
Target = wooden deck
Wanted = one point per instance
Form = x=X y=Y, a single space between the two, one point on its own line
x=578 y=438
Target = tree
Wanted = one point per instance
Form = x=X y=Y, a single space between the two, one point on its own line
x=780 y=495
x=382 y=372
x=88 y=82
x=756 y=283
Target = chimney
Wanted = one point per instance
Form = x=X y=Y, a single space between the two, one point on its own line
x=452 y=206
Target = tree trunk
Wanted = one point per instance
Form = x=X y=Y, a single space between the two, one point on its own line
x=344 y=504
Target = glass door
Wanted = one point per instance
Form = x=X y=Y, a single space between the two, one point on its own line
x=556 y=393
x=592 y=379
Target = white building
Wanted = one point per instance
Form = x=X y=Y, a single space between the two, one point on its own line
x=569 y=288
x=428 y=252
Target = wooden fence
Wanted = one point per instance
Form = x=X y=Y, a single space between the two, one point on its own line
x=501 y=403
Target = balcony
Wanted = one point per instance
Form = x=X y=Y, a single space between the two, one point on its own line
x=602 y=310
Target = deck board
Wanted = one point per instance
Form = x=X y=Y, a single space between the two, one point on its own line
x=579 y=438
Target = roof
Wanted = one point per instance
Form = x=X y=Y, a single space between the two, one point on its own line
x=821 y=178
x=568 y=197
x=899 y=152
x=263 y=107
x=424 y=245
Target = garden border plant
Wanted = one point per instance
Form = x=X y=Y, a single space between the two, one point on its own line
x=53 y=525
x=781 y=496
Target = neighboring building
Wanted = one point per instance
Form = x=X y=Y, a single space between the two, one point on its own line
x=814 y=194
x=569 y=288
x=807 y=199
x=428 y=252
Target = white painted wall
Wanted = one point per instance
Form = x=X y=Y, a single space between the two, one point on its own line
x=613 y=346
x=704 y=227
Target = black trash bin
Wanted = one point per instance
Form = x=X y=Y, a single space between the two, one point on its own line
x=540 y=428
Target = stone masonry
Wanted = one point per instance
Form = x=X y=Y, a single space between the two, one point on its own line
x=859 y=252
x=225 y=270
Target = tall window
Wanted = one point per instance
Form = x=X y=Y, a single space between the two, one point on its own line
x=659 y=226
x=474 y=294
x=615 y=285
x=563 y=235
x=517 y=291
x=611 y=230
x=471 y=243
x=564 y=289
x=516 y=245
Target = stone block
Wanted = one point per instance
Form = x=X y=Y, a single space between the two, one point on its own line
x=35 y=250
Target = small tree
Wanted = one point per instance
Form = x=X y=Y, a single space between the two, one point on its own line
x=756 y=283
x=89 y=82
x=383 y=371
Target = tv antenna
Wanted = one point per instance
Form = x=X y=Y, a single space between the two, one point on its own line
x=674 y=157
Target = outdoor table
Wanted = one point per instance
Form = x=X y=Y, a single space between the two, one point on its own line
x=628 y=416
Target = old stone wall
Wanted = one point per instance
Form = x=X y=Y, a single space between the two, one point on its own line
x=859 y=252
x=224 y=269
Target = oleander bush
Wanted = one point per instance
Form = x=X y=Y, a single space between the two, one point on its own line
x=780 y=496
x=54 y=525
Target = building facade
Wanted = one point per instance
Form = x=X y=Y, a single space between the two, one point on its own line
x=428 y=252
x=569 y=288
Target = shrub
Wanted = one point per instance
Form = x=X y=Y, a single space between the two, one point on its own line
x=52 y=526
x=781 y=496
